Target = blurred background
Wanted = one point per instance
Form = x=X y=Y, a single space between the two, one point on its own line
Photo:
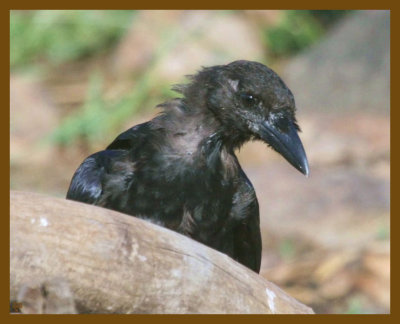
x=79 y=78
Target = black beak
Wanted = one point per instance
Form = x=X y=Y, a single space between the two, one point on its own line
x=287 y=143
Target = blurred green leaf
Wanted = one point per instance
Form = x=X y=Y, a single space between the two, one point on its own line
x=383 y=232
x=296 y=30
x=328 y=17
x=85 y=122
x=355 y=306
x=97 y=119
x=287 y=249
x=63 y=35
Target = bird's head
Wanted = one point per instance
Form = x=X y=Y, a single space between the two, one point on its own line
x=250 y=101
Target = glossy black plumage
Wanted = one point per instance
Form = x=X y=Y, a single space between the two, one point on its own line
x=179 y=170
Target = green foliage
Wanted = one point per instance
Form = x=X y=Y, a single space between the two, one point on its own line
x=62 y=35
x=383 y=232
x=85 y=121
x=296 y=30
x=328 y=17
x=97 y=119
x=355 y=306
x=287 y=249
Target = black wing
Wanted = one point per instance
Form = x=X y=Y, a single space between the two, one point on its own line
x=107 y=172
x=89 y=182
x=247 y=243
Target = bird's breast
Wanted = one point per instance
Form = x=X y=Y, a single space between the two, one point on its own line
x=190 y=200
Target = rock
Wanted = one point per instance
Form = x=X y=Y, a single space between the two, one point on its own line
x=347 y=70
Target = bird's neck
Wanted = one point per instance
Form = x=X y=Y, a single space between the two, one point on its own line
x=191 y=129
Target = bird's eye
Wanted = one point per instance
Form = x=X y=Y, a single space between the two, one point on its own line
x=248 y=98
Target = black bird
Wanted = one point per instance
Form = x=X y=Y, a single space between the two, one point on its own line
x=179 y=170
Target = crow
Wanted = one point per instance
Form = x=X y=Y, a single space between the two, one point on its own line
x=179 y=170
